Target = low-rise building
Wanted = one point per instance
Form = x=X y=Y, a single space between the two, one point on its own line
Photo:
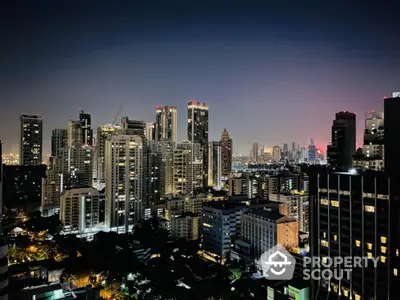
x=185 y=227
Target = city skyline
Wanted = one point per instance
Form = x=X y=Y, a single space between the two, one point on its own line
x=269 y=75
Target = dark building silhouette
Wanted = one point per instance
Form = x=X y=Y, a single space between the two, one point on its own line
x=392 y=130
x=59 y=140
x=356 y=215
x=343 y=144
x=22 y=187
x=31 y=143
x=226 y=153
x=133 y=127
x=85 y=121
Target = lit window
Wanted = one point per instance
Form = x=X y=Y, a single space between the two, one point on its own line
x=383 y=239
x=324 y=260
x=345 y=292
x=357 y=296
x=369 y=208
x=369 y=254
x=335 y=203
x=369 y=246
x=383 y=259
x=324 y=201
x=395 y=272
x=335 y=287
x=335 y=237
x=383 y=249
x=358 y=243
x=397 y=252
x=324 y=243
x=324 y=235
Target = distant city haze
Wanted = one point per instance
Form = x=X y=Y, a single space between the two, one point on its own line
x=269 y=74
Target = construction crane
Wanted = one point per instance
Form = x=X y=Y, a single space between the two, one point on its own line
x=116 y=117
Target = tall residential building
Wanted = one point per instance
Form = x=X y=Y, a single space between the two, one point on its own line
x=214 y=165
x=226 y=153
x=198 y=130
x=167 y=154
x=372 y=155
x=276 y=153
x=124 y=181
x=71 y=168
x=133 y=127
x=220 y=227
x=155 y=173
x=151 y=131
x=79 y=209
x=77 y=165
x=264 y=229
x=343 y=144
x=59 y=139
x=187 y=168
x=392 y=128
x=80 y=131
x=254 y=153
x=31 y=144
x=85 y=121
x=356 y=215
x=103 y=132
x=74 y=133
x=166 y=126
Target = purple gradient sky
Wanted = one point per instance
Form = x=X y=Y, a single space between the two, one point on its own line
x=271 y=73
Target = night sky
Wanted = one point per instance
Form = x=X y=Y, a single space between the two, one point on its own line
x=271 y=73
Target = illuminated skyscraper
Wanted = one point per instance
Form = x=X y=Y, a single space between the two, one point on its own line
x=226 y=153
x=166 y=126
x=103 y=132
x=188 y=166
x=31 y=145
x=124 y=181
x=198 y=130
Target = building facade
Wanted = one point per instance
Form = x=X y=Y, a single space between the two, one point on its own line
x=59 y=140
x=226 y=153
x=31 y=143
x=166 y=126
x=214 y=165
x=124 y=181
x=343 y=143
x=198 y=131
x=264 y=229
x=79 y=209
x=187 y=168
x=356 y=215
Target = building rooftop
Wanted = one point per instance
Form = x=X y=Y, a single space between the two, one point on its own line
x=268 y=214
x=222 y=205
